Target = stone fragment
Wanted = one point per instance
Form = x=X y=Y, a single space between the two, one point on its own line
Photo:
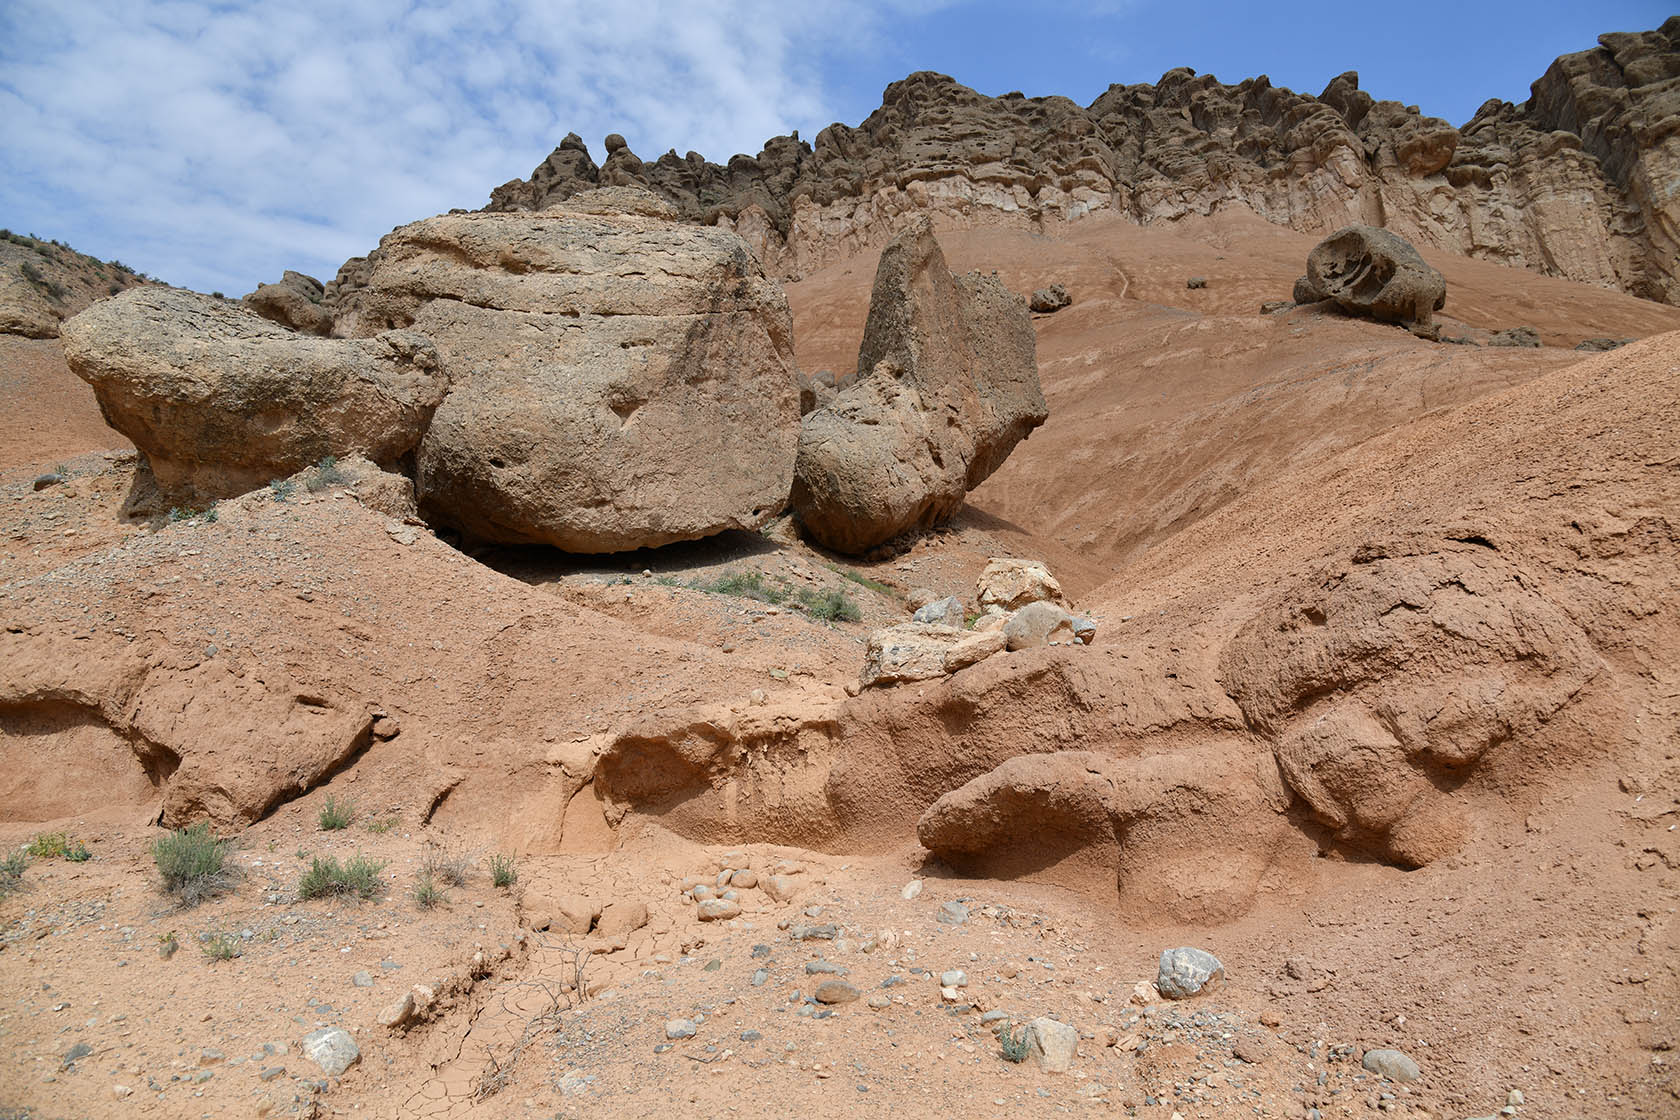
x=1046 y=624
x=1047 y=300
x=1051 y=1044
x=681 y=1028
x=718 y=909
x=942 y=612
x=946 y=386
x=332 y=1049
x=1392 y=1064
x=1196 y=282
x=952 y=913
x=619 y=919
x=1188 y=971
x=835 y=991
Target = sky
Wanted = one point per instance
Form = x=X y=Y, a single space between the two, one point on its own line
x=215 y=143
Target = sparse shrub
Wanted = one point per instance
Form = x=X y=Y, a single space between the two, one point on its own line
x=280 y=489
x=77 y=852
x=11 y=871
x=47 y=845
x=217 y=295
x=357 y=876
x=502 y=872
x=447 y=866
x=744 y=585
x=336 y=815
x=326 y=473
x=223 y=946
x=427 y=893
x=862 y=580
x=830 y=605
x=114 y=288
x=1014 y=1045
x=193 y=863
x=381 y=827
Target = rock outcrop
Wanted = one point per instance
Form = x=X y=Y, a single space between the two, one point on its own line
x=222 y=401
x=946 y=386
x=1372 y=272
x=1576 y=182
x=294 y=302
x=618 y=380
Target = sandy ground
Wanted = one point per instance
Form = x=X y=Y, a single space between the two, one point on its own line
x=1200 y=457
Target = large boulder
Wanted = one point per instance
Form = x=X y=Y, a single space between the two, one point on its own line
x=222 y=401
x=618 y=380
x=294 y=302
x=946 y=386
x=1372 y=272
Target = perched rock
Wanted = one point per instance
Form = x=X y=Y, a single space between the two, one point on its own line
x=946 y=386
x=222 y=401
x=618 y=381
x=943 y=612
x=1516 y=336
x=294 y=302
x=1046 y=300
x=1187 y=971
x=1391 y=1064
x=1046 y=624
x=1372 y=272
x=1007 y=584
x=1051 y=1044
x=332 y=1049
x=919 y=651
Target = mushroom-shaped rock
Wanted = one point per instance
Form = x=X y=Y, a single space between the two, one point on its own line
x=946 y=386
x=221 y=400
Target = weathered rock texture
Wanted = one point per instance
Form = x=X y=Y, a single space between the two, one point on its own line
x=1370 y=271
x=294 y=302
x=222 y=401
x=1577 y=181
x=946 y=386
x=618 y=380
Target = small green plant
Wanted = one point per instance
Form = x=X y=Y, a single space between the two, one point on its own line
x=502 y=872
x=381 y=827
x=862 y=580
x=193 y=863
x=336 y=815
x=1014 y=1045
x=830 y=605
x=744 y=585
x=218 y=295
x=446 y=866
x=280 y=489
x=77 y=852
x=168 y=943
x=427 y=893
x=47 y=845
x=11 y=872
x=356 y=877
x=326 y=473
x=223 y=946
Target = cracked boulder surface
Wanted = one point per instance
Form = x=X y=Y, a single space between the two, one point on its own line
x=618 y=380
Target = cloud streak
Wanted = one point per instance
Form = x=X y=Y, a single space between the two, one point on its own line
x=216 y=144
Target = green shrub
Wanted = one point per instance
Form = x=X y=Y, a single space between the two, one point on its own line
x=326 y=473
x=830 y=605
x=223 y=946
x=381 y=827
x=502 y=872
x=280 y=489
x=862 y=580
x=335 y=816
x=47 y=845
x=1014 y=1045
x=11 y=871
x=358 y=876
x=193 y=863
x=744 y=585
x=427 y=893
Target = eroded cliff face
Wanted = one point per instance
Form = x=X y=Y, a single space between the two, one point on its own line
x=1581 y=181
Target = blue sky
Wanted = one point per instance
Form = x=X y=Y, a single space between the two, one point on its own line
x=215 y=144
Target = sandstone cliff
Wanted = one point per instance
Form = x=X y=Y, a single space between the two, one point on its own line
x=1579 y=181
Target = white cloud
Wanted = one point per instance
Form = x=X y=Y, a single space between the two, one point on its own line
x=216 y=144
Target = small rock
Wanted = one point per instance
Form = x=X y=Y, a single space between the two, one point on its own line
x=952 y=913
x=52 y=478
x=751 y=1036
x=836 y=991
x=271 y=1073
x=880 y=1002
x=1196 y=282
x=1051 y=1044
x=760 y=978
x=1047 y=300
x=911 y=890
x=680 y=1028
x=827 y=931
x=814 y=968
x=719 y=909
x=1391 y=1064
x=209 y=1057
x=362 y=980
x=332 y=1049
x=746 y=880
x=778 y=887
x=954 y=978
x=1187 y=971
x=121 y=1092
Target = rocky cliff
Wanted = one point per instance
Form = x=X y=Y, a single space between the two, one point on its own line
x=1581 y=181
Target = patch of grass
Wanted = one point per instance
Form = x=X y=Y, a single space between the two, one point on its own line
x=744 y=585
x=1014 y=1045
x=193 y=863
x=862 y=580
x=326 y=473
x=447 y=866
x=335 y=815
x=47 y=845
x=178 y=514
x=381 y=827
x=223 y=946
x=427 y=893
x=830 y=605
x=502 y=872
x=280 y=489
x=11 y=872
x=356 y=877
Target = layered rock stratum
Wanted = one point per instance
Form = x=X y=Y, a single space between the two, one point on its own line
x=1578 y=181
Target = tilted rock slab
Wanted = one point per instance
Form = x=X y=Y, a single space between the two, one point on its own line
x=222 y=401
x=618 y=380
x=947 y=385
